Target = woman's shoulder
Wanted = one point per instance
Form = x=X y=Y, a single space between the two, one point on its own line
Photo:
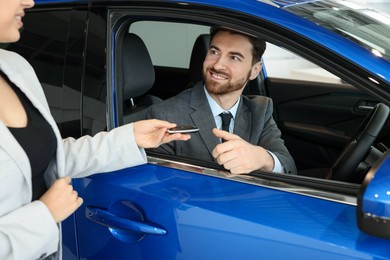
x=7 y=55
x=11 y=62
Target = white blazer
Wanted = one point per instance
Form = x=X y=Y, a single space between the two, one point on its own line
x=27 y=229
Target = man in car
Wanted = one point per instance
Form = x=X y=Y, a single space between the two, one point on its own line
x=251 y=140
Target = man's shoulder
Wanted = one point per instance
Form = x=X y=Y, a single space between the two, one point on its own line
x=257 y=100
x=183 y=97
x=179 y=98
x=258 y=105
x=174 y=103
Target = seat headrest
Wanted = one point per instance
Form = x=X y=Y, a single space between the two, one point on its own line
x=199 y=51
x=138 y=70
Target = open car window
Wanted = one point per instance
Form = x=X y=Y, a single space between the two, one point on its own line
x=169 y=43
x=281 y=63
x=317 y=112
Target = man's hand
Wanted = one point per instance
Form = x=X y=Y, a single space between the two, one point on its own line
x=61 y=199
x=152 y=133
x=239 y=156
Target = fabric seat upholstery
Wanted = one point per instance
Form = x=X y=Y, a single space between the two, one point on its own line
x=138 y=78
x=199 y=51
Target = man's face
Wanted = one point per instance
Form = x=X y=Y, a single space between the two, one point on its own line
x=228 y=63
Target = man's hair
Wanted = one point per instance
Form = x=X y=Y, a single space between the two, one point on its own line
x=258 y=45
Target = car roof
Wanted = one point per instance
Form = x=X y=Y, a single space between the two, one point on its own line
x=277 y=3
x=274 y=12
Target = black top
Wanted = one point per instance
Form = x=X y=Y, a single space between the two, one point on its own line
x=38 y=141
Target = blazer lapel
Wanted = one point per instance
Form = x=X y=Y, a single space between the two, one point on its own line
x=16 y=152
x=202 y=117
x=24 y=77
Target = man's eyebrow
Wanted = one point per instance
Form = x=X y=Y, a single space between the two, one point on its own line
x=213 y=47
x=237 y=54
x=231 y=53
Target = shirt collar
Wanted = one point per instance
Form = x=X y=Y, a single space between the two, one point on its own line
x=216 y=109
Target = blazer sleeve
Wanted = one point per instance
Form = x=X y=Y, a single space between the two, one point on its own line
x=271 y=140
x=156 y=112
x=29 y=232
x=104 y=152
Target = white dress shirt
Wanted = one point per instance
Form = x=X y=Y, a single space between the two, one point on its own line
x=216 y=110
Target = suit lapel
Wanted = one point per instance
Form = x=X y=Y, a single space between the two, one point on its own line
x=202 y=117
x=243 y=118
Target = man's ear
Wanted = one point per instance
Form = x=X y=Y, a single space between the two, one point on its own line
x=255 y=70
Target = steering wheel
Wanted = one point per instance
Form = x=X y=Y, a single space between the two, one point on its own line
x=359 y=145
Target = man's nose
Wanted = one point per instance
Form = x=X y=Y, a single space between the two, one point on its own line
x=220 y=63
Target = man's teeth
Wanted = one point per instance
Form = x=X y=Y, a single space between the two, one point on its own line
x=218 y=76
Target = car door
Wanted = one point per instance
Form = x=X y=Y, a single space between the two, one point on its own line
x=158 y=212
x=173 y=208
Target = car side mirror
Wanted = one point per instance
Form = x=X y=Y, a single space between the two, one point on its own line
x=373 y=203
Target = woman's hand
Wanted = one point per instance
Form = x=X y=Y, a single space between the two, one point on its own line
x=152 y=133
x=61 y=199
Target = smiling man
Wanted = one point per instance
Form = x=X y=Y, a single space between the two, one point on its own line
x=235 y=131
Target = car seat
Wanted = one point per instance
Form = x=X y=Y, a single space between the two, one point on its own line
x=138 y=78
x=199 y=51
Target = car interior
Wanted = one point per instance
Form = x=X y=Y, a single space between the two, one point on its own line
x=318 y=120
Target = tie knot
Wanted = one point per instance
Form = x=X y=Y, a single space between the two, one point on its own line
x=226 y=117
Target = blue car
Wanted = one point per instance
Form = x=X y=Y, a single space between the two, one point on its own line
x=327 y=70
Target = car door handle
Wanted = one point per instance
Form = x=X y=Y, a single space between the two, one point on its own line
x=110 y=220
x=363 y=107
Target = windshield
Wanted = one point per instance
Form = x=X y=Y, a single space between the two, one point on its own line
x=367 y=27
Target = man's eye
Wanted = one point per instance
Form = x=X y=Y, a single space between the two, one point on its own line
x=235 y=58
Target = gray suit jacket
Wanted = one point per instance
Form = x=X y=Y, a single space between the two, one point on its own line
x=254 y=123
x=27 y=229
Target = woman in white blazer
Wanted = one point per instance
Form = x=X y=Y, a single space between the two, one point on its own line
x=30 y=207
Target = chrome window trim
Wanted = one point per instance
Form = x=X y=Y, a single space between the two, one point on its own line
x=278 y=185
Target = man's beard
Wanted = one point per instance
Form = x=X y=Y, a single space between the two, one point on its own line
x=216 y=88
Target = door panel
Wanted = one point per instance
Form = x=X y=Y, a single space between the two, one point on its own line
x=317 y=119
x=209 y=218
